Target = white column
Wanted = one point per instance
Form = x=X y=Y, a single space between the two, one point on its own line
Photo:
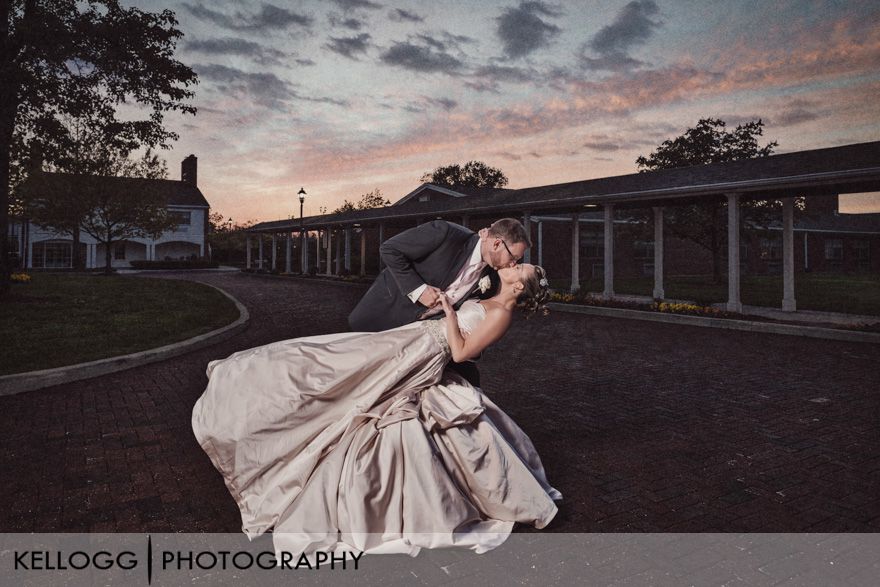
x=202 y=249
x=658 y=254
x=304 y=252
x=30 y=251
x=381 y=239
x=540 y=243
x=260 y=251
x=287 y=251
x=247 y=247
x=338 y=255
x=575 y=252
x=329 y=234
x=527 y=224
x=608 y=266
x=806 y=254
x=734 y=303
x=274 y=250
x=788 y=301
x=363 y=250
x=348 y=249
x=318 y=250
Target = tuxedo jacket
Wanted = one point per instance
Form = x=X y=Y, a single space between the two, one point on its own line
x=432 y=253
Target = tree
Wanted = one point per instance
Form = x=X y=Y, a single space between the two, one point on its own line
x=373 y=199
x=118 y=214
x=475 y=174
x=708 y=142
x=82 y=60
x=119 y=202
x=228 y=239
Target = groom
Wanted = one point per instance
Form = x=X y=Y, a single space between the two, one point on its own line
x=430 y=259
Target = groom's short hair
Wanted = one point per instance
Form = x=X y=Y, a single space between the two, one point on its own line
x=510 y=230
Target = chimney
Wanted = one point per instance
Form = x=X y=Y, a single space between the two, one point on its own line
x=822 y=206
x=188 y=170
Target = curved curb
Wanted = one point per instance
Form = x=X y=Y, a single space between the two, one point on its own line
x=31 y=380
x=724 y=323
x=308 y=279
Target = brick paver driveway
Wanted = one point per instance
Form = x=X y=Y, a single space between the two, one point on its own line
x=642 y=426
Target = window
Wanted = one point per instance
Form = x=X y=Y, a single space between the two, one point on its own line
x=771 y=248
x=647 y=269
x=593 y=244
x=119 y=251
x=52 y=255
x=424 y=198
x=862 y=252
x=834 y=253
x=598 y=270
x=643 y=250
x=183 y=219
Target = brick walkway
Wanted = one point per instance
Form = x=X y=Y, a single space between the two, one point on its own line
x=642 y=426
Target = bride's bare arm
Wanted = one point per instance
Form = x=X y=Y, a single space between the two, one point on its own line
x=488 y=331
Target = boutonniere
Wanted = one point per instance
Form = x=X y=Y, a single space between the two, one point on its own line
x=484 y=284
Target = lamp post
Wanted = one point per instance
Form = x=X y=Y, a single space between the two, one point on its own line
x=302 y=232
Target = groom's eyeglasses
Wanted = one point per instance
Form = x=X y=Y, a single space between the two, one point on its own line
x=512 y=256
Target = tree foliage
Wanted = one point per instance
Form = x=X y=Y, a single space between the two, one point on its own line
x=84 y=60
x=473 y=174
x=709 y=142
x=373 y=199
x=112 y=205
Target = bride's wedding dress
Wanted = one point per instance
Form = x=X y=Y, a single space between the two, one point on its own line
x=361 y=441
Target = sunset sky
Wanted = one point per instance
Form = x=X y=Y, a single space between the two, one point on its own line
x=346 y=96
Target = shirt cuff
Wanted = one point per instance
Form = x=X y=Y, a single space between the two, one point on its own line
x=416 y=293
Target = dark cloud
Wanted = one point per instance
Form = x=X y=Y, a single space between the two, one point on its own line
x=503 y=73
x=522 y=30
x=350 y=47
x=305 y=62
x=615 y=61
x=347 y=22
x=401 y=15
x=269 y=17
x=264 y=88
x=602 y=145
x=633 y=26
x=355 y=4
x=426 y=59
x=237 y=46
x=444 y=103
x=796 y=111
x=482 y=85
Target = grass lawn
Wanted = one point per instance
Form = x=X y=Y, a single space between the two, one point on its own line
x=851 y=294
x=59 y=319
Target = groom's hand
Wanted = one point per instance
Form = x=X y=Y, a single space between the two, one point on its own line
x=430 y=297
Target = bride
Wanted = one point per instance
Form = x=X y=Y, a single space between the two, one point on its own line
x=362 y=441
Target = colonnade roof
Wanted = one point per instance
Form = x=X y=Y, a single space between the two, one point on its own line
x=845 y=169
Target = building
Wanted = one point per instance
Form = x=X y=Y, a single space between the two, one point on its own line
x=34 y=247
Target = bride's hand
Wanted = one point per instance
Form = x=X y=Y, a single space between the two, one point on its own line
x=447 y=307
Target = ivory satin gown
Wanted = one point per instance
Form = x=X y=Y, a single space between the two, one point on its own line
x=361 y=441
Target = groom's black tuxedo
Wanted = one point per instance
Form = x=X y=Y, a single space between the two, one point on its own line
x=432 y=253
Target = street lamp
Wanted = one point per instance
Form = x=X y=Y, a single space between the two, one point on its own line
x=302 y=232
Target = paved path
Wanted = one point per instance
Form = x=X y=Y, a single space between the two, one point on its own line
x=642 y=426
